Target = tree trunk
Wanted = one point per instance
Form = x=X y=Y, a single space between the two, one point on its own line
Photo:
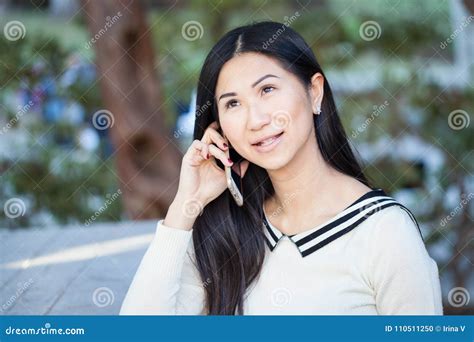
x=147 y=159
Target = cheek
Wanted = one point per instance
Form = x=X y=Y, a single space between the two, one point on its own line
x=291 y=103
x=234 y=129
x=298 y=115
x=301 y=125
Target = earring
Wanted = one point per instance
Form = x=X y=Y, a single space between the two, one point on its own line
x=318 y=111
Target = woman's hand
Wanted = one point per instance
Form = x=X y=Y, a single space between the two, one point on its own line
x=201 y=180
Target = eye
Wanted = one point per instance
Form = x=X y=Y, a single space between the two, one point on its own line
x=267 y=89
x=230 y=104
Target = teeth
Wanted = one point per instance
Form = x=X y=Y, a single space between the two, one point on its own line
x=268 y=141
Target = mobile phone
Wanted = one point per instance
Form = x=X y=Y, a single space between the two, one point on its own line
x=233 y=174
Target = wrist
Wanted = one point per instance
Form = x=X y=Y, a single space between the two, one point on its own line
x=182 y=212
x=192 y=204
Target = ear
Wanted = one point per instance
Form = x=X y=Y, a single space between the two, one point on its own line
x=317 y=91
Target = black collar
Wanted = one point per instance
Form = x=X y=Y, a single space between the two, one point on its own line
x=311 y=240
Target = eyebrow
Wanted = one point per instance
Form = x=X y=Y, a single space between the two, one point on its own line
x=253 y=86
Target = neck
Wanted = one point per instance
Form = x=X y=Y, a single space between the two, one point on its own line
x=308 y=187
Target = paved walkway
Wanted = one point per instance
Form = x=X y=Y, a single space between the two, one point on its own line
x=79 y=270
x=70 y=270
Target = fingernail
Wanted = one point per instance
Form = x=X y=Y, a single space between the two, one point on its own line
x=230 y=161
x=207 y=157
x=225 y=145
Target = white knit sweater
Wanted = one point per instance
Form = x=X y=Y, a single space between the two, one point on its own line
x=368 y=260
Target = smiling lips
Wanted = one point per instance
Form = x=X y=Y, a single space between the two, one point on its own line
x=267 y=140
x=268 y=143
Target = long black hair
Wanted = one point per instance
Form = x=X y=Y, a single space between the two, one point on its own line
x=228 y=239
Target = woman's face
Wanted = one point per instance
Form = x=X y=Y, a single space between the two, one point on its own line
x=258 y=99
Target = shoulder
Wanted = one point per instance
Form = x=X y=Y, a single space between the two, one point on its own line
x=399 y=269
x=394 y=241
x=394 y=225
x=387 y=230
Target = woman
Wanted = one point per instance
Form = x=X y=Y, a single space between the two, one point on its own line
x=312 y=236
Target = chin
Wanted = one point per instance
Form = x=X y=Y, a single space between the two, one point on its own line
x=270 y=163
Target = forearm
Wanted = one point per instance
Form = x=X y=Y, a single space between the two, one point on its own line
x=156 y=283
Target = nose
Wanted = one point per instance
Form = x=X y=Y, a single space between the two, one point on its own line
x=258 y=117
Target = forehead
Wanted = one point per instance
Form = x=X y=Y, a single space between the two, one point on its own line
x=244 y=69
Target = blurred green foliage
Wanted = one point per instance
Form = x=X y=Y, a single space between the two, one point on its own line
x=409 y=40
x=58 y=181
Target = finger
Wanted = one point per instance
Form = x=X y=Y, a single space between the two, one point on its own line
x=204 y=153
x=219 y=154
x=214 y=125
x=211 y=136
x=218 y=139
x=197 y=151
